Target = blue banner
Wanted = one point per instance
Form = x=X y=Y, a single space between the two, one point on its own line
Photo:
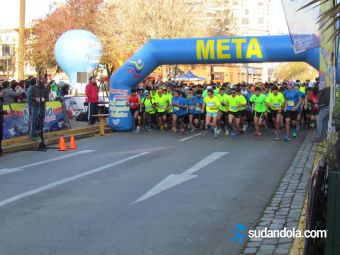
x=16 y=122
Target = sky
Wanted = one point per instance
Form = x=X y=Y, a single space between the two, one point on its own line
x=9 y=17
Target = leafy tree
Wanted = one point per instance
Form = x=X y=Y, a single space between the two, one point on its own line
x=295 y=71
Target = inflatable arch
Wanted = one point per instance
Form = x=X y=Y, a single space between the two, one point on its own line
x=196 y=51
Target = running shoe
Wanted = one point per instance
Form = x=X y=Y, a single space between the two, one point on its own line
x=244 y=129
x=138 y=129
x=287 y=138
x=227 y=132
x=294 y=134
x=174 y=131
x=215 y=135
x=277 y=137
x=182 y=131
x=192 y=131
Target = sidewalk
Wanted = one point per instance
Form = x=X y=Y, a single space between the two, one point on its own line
x=287 y=204
x=79 y=130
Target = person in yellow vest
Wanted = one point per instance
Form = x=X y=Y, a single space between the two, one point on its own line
x=162 y=103
x=242 y=102
x=233 y=107
x=211 y=105
x=222 y=115
x=149 y=111
x=275 y=103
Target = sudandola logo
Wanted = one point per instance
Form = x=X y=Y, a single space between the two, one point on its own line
x=239 y=234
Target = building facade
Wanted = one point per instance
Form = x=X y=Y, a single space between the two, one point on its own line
x=9 y=39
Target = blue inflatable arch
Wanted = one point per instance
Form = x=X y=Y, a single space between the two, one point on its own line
x=196 y=51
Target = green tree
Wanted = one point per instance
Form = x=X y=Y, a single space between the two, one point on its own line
x=295 y=71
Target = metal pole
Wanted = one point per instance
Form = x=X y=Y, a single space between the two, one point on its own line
x=21 y=49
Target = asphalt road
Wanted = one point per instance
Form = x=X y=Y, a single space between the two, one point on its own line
x=128 y=194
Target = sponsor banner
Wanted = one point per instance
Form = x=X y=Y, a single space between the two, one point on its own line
x=326 y=52
x=16 y=122
x=302 y=24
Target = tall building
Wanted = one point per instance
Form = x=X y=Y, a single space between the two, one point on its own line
x=248 y=18
x=253 y=17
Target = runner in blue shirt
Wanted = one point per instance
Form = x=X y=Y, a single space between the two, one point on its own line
x=179 y=110
x=301 y=107
x=293 y=101
x=191 y=103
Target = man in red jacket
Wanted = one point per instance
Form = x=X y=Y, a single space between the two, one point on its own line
x=92 y=99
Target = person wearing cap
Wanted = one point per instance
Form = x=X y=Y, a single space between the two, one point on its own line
x=211 y=105
x=179 y=109
x=149 y=111
x=259 y=109
x=162 y=102
x=293 y=101
x=135 y=108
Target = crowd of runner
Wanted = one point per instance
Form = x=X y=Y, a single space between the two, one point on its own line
x=226 y=109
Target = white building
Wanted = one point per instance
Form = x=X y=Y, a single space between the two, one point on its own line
x=9 y=39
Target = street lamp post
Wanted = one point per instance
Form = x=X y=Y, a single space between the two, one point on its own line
x=21 y=49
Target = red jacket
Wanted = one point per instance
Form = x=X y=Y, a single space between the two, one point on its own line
x=92 y=93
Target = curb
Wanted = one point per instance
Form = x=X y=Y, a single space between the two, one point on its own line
x=285 y=208
x=298 y=244
x=24 y=142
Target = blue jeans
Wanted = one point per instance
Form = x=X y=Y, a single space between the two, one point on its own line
x=37 y=115
x=322 y=122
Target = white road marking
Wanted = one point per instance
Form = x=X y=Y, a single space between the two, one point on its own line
x=176 y=179
x=4 y=171
x=188 y=138
x=66 y=180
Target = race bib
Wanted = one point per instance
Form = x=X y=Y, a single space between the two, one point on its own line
x=176 y=108
x=192 y=107
x=234 y=108
x=199 y=109
x=210 y=104
x=277 y=105
x=290 y=103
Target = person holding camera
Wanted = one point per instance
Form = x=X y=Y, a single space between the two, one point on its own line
x=39 y=94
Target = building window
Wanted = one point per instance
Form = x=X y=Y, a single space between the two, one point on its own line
x=246 y=12
x=260 y=3
x=260 y=21
x=245 y=21
x=6 y=50
x=235 y=2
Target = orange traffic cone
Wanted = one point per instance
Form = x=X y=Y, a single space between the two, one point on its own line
x=62 y=145
x=73 y=144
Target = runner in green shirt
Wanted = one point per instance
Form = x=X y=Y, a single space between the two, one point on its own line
x=259 y=109
x=222 y=115
x=162 y=102
x=275 y=102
